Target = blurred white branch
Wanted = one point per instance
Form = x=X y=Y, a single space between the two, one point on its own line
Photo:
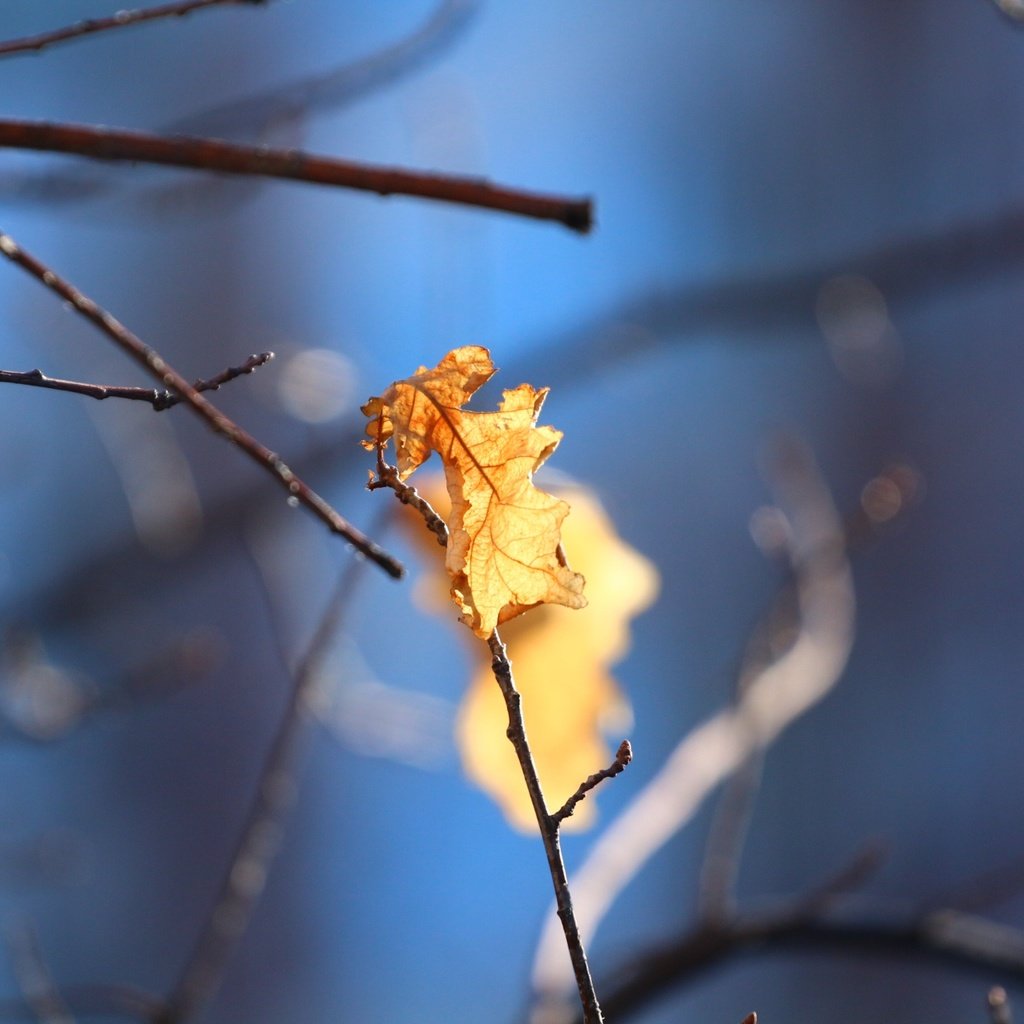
x=784 y=690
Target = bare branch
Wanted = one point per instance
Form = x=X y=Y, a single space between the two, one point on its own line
x=160 y=399
x=33 y=44
x=547 y=823
x=622 y=758
x=261 y=161
x=156 y=366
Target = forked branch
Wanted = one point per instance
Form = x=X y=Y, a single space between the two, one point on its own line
x=549 y=824
x=156 y=366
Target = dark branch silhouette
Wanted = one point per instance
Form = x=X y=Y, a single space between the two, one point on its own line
x=258 y=117
x=223 y=425
x=123 y=19
x=260 y=161
x=159 y=398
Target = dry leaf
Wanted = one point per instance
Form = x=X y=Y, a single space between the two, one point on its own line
x=504 y=553
x=562 y=664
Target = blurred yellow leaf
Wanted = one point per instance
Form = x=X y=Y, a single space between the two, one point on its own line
x=504 y=553
x=562 y=664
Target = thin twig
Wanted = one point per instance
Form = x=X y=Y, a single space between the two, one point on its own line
x=258 y=843
x=122 y=19
x=622 y=758
x=159 y=398
x=548 y=823
x=154 y=363
x=549 y=830
x=229 y=158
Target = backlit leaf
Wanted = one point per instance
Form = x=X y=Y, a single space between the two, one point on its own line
x=504 y=553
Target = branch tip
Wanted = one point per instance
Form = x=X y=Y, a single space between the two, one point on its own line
x=623 y=756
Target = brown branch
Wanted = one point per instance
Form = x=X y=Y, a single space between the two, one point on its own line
x=549 y=829
x=622 y=758
x=387 y=476
x=33 y=44
x=229 y=158
x=159 y=398
x=548 y=823
x=156 y=366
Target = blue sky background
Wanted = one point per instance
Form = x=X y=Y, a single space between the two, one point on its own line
x=740 y=156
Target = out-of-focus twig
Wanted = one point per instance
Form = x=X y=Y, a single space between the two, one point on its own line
x=999 y=1006
x=943 y=938
x=783 y=691
x=205 y=154
x=122 y=19
x=260 y=117
x=118 y=1001
x=38 y=988
x=156 y=366
x=884 y=498
x=258 y=843
x=1013 y=9
x=160 y=399
x=283 y=105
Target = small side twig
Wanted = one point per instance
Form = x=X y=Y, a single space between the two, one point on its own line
x=159 y=398
x=261 y=161
x=622 y=758
x=156 y=366
x=122 y=19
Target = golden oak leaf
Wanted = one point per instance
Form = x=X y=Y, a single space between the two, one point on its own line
x=562 y=665
x=503 y=554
